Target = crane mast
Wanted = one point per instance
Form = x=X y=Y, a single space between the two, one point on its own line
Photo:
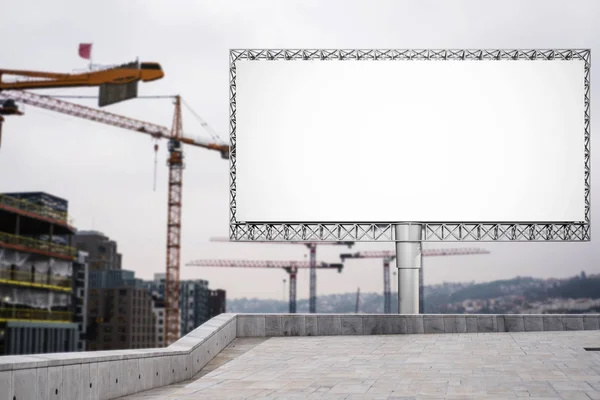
x=387 y=292
x=293 y=273
x=175 y=163
x=312 y=302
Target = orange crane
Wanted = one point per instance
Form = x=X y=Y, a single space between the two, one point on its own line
x=389 y=255
x=312 y=249
x=175 y=162
x=291 y=267
x=126 y=73
x=117 y=83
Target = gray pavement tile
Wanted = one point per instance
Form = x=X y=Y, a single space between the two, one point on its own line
x=349 y=389
x=595 y=395
x=570 y=385
x=451 y=366
x=573 y=395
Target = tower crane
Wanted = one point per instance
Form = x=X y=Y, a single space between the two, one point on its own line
x=176 y=139
x=291 y=267
x=389 y=256
x=312 y=249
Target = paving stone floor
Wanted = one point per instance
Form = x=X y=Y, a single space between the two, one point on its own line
x=535 y=365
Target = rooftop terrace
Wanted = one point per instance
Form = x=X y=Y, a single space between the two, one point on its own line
x=292 y=356
x=439 y=366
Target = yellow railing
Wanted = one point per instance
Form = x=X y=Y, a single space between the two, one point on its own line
x=34 y=208
x=8 y=314
x=35 y=279
x=37 y=244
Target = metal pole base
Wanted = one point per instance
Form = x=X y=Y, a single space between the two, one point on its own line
x=408 y=262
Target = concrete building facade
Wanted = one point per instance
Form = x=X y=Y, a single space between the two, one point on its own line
x=158 y=309
x=121 y=319
x=102 y=251
x=120 y=311
x=193 y=305
x=80 y=297
x=216 y=303
x=194 y=301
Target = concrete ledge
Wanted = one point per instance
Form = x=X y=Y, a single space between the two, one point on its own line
x=104 y=375
x=101 y=375
x=270 y=325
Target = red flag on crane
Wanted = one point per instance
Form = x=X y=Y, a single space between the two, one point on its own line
x=85 y=50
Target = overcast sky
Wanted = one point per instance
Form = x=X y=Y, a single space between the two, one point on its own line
x=107 y=173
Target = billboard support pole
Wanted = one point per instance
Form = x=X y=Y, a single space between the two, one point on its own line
x=408 y=262
x=312 y=301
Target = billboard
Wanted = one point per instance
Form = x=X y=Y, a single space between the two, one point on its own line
x=472 y=144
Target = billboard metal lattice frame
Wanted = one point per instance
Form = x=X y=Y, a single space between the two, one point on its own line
x=432 y=231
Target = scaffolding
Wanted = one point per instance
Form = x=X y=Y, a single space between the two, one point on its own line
x=38 y=246
x=30 y=315
x=35 y=280
x=37 y=209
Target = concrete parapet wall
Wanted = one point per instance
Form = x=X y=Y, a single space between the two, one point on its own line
x=268 y=325
x=101 y=375
x=104 y=375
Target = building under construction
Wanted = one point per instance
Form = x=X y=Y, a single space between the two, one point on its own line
x=41 y=302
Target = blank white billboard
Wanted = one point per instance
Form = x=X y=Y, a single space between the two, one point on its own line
x=367 y=141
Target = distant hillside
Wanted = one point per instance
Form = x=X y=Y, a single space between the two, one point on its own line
x=518 y=286
x=580 y=286
x=510 y=295
x=333 y=303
